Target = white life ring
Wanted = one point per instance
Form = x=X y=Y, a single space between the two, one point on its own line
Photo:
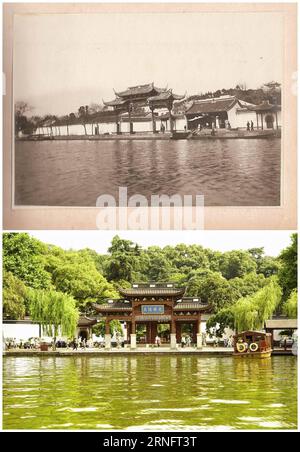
x=254 y=347
x=240 y=348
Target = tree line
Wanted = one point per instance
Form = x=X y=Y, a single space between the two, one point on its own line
x=243 y=288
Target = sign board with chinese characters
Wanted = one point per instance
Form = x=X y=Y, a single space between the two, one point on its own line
x=153 y=309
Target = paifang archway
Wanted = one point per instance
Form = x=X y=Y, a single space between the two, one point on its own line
x=154 y=304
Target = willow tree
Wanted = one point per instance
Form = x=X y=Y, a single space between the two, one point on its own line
x=250 y=313
x=55 y=311
x=290 y=308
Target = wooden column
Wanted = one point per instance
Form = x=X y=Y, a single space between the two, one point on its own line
x=133 y=326
x=178 y=332
x=148 y=332
x=153 y=332
x=257 y=126
x=262 y=121
x=173 y=326
x=107 y=327
x=276 y=118
x=195 y=332
x=128 y=325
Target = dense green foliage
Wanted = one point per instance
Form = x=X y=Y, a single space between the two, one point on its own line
x=14 y=296
x=23 y=256
x=290 y=308
x=288 y=269
x=242 y=287
x=250 y=313
x=55 y=311
x=114 y=325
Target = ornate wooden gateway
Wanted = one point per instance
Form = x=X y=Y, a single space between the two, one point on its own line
x=153 y=304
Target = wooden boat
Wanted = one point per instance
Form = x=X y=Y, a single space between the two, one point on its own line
x=252 y=344
x=182 y=135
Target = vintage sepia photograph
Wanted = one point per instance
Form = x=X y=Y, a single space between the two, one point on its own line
x=162 y=104
x=150 y=106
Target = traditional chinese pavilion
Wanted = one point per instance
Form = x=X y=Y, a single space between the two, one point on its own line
x=151 y=305
x=143 y=96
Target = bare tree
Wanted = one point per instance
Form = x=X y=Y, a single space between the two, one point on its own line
x=21 y=108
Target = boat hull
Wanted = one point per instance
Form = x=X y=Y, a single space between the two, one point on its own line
x=251 y=355
x=180 y=135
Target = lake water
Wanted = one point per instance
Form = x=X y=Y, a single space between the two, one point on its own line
x=149 y=392
x=74 y=173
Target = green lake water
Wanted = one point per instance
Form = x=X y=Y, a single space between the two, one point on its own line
x=147 y=392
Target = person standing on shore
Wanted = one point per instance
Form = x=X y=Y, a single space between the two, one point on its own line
x=75 y=344
x=183 y=341
x=157 y=341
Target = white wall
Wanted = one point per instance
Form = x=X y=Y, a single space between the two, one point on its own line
x=108 y=127
x=76 y=129
x=20 y=331
x=242 y=117
x=238 y=118
x=145 y=126
x=180 y=123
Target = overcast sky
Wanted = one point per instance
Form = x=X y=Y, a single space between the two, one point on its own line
x=272 y=241
x=64 y=61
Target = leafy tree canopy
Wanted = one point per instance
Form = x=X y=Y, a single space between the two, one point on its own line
x=250 y=313
x=23 y=256
x=288 y=270
x=55 y=311
x=14 y=297
x=290 y=307
x=237 y=263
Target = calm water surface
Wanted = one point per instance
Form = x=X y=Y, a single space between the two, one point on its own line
x=74 y=173
x=149 y=392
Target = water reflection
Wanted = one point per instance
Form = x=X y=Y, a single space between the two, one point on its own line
x=150 y=391
x=75 y=173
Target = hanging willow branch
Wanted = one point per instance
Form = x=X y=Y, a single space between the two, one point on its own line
x=250 y=313
x=55 y=311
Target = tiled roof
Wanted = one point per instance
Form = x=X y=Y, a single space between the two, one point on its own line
x=152 y=292
x=165 y=95
x=115 y=102
x=211 y=106
x=140 y=89
x=167 y=116
x=193 y=306
x=265 y=106
x=114 y=306
x=86 y=321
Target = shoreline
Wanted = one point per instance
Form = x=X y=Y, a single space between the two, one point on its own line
x=128 y=352
x=262 y=134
